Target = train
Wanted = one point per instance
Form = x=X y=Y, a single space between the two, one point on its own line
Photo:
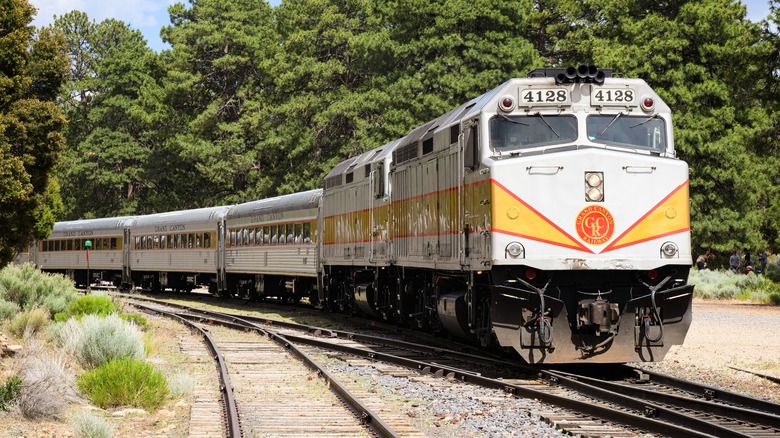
x=548 y=217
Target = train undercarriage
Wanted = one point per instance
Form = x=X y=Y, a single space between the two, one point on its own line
x=545 y=317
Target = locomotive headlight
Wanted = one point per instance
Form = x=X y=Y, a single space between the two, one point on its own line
x=593 y=179
x=594 y=186
x=669 y=249
x=515 y=250
x=594 y=195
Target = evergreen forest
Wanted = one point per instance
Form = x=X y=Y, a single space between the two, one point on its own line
x=253 y=101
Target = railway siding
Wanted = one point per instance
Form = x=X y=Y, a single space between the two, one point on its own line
x=279 y=396
x=206 y=415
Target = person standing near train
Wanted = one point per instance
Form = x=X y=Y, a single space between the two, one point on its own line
x=702 y=262
x=734 y=261
x=762 y=259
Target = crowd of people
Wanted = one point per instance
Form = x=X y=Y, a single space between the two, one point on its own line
x=739 y=264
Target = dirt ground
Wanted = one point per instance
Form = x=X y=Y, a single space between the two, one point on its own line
x=170 y=420
x=722 y=334
x=730 y=334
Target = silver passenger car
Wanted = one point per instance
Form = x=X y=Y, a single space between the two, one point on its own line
x=271 y=246
x=177 y=250
x=76 y=247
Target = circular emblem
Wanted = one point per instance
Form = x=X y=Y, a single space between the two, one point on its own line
x=595 y=225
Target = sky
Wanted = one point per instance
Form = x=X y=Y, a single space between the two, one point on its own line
x=149 y=16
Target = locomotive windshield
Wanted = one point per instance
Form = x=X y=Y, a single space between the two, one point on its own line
x=528 y=131
x=646 y=132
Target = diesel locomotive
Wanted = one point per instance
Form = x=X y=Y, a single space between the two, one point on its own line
x=549 y=216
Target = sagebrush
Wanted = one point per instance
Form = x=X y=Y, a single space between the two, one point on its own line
x=47 y=384
x=726 y=285
x=89 y=425
x=28 y=287
x=96 y=340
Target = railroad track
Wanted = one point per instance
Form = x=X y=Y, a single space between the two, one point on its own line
x=646 y=402
x=266 y=397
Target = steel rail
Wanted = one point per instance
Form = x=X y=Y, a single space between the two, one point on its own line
x=769 y=377
x=661 y=412
x=226 y=388
x=587 y=407
x=366 y=415
x=710 y=392
x=637 y=392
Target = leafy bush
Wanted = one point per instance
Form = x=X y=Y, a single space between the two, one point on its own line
x=774 y=298
x=9 y=391
x=28 y=323
x=100 y=305
x=46 y=383
x=96 y=340
x=28 y=287
x=125 y=382
x=88 y=425
x=8 y=309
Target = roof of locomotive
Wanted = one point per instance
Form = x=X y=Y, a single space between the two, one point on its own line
x=295 y=201
x=472 y=108
x=422 y=131
x=198 y=215
x=102 y=224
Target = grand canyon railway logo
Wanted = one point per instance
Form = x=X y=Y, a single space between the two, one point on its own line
x=595 y=225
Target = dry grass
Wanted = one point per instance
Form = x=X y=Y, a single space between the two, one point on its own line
x=47 y=383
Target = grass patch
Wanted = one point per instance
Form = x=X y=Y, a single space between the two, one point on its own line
x=9 y=391
x=100 y=305
x=125 y=382
x=137 y=319
x=28 y=323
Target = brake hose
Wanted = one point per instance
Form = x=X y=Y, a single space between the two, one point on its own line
x=545 y=326
x=654 y=309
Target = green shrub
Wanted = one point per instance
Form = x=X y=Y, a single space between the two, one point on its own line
x=102 y=339
x=125 y=382
x=9 y=391
x=88 y=425
x=712 y=284
x=28 y=287
x=28 y=323
x=8 y=309
x=136 y=318
x=100 y=305
x=774 y=298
